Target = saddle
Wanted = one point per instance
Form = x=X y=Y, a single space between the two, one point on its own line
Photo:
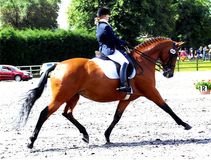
x=111 y=68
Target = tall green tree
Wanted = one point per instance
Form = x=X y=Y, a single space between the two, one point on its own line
x=81 y=14
x=131 y=18
x=29 y=13
x=134 y=18
x=186 y=20
x=194 y=22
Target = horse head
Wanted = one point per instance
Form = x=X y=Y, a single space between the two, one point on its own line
x=158 y=51
x=168 y=58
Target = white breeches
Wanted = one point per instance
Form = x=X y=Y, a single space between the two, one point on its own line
x=118 y=57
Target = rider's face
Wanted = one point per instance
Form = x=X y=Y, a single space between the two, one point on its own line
x=106 y=17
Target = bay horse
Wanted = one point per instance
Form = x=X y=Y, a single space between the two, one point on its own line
x=77 y=77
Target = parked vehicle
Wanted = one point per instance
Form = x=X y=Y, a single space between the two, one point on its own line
x=9 y=72
x=45 y=66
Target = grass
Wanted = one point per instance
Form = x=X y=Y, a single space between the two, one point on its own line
x=193 y=65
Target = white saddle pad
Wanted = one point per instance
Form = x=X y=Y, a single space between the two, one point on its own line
x=109 y=68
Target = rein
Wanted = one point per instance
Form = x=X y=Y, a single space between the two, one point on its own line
x=166 y=66
x=147 y=57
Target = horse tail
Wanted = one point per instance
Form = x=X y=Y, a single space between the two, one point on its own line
x=31 y=97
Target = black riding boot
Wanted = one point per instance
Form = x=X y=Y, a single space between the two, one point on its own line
x=124 y=84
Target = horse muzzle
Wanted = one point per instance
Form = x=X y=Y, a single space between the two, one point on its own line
x=168 y=73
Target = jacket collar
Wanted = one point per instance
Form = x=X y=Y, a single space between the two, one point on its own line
x=105 y=21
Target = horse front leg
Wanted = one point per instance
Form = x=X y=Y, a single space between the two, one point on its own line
x=167 y=109
x=118 y=114
x=154 y=96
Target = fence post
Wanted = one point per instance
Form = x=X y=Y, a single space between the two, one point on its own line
x=197 y=64
x=178 y=65
x=30 y=69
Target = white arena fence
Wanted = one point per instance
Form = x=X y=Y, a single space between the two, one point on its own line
x=34 y=69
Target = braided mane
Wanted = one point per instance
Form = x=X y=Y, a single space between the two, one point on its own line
x=151 y=41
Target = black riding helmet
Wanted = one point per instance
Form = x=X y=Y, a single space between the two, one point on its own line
x=103 y=11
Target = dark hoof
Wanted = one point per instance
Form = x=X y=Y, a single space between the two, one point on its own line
x=187 y=127
x=86 y=138
x=109 y=143
x=30 y=145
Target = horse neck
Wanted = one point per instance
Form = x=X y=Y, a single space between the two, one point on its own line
x=151 y=50
x=147 y=55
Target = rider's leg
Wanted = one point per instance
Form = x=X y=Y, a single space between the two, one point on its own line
x=124 y=83
x=122 y=60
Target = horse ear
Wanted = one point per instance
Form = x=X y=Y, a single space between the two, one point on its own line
x=179 y=43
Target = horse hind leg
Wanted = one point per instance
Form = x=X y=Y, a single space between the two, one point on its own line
x=45 y=113
x=68 y=113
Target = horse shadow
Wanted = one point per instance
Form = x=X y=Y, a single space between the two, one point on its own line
x=157 y=142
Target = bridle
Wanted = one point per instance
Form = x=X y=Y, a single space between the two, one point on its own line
x=172 y=56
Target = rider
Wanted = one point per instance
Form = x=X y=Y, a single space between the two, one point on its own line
x=110 y=46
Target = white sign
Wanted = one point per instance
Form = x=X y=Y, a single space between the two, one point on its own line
x=203 y=88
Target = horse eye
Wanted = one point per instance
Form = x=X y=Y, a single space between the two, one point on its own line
x=172 y=51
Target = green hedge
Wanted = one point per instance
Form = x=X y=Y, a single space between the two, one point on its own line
x=31 y=47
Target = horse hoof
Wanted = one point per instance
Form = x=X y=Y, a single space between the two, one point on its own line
x=86 y=138
x=187 y=127
x=30 y=146
x=109 y=143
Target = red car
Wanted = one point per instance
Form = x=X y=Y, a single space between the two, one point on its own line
x=9 y=72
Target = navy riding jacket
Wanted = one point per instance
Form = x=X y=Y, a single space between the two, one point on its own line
x=107 y=39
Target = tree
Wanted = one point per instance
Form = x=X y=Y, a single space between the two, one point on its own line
x=29 y=13
x=185 y=20
x=131 y=18
x=81 y=14
x=147 y=17
x=193 y=23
